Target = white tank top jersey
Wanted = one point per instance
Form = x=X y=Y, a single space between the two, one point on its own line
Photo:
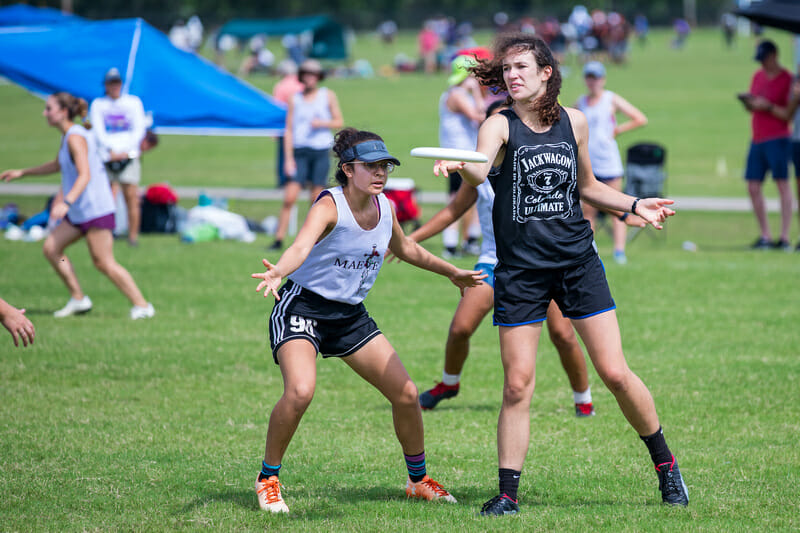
x=344 y=265
x=303 y=135
x=96 y=199
x=603 y=149
x=484 y=206
x=455 y=129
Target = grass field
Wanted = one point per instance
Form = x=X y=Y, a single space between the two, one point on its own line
x=108 y=424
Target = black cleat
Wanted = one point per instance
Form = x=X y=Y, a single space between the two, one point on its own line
x=499 y=505
x=762 y=244
x=670 y=483
x=431 y=397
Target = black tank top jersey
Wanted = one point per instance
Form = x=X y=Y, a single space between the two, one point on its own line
x=538 y=221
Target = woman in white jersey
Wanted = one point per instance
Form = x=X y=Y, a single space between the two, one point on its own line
x=86 y=208
x=331 y=267
x=311 y=117
x=601 y=107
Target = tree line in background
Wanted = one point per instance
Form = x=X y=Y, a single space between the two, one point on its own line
x=367 y=14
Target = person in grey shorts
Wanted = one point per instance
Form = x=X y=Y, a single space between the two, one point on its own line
x=120 y=124
x=312 y=116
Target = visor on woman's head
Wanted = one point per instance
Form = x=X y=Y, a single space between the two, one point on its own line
x=369 y=152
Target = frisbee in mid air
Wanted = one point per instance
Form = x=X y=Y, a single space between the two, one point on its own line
x=449 y=154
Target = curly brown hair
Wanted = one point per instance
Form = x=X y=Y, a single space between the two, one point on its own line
x=490 y=73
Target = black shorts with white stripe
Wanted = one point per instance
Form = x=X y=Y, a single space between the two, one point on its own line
x=335 y=329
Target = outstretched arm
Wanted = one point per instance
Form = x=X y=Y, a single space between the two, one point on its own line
x=409 y=251
x=465 y=197
x=320 y=221
x=651 y=210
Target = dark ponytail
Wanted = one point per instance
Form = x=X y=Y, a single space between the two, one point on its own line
x=490 y=72
x=347 y=138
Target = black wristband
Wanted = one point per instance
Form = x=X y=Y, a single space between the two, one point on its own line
x=633 y=206
x=69 y=204
x=623 y=216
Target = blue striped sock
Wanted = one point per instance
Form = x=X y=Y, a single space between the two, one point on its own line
x=416 y=466
x=268 y=470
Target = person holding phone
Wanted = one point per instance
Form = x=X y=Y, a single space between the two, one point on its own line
x=768 y=102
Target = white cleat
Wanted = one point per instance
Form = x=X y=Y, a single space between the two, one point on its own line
x=142 y=312
x=74 y=307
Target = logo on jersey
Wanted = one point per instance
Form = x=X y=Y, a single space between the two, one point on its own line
x=116 y=122
x=544 y=182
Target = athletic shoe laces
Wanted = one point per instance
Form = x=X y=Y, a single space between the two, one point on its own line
x=272 y=488
x=434 y=486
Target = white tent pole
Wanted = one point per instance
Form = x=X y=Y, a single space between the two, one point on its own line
x=132 y=55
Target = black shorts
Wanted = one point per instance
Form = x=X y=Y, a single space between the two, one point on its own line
x=521 y=296
x=453 y=182
x=335 y=329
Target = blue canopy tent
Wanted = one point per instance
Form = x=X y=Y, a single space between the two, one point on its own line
x=327 y=36
x=185 y=93
x=24 y=15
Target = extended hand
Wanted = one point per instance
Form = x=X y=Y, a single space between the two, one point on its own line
x=271 y=280
x=11 y=174
x=467 y=278
x=654 y=210
x=445 y=167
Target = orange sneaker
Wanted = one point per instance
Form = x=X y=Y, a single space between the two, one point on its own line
x=269 y=495
x=428 y=489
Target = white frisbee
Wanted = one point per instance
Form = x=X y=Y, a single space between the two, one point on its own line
x=449 y=154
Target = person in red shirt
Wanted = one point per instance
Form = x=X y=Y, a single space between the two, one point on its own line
x=287 y=86
x=768 y=102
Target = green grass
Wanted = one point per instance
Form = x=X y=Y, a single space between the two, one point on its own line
x=109 y=424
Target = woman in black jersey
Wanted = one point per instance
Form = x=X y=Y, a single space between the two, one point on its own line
x=546 y=251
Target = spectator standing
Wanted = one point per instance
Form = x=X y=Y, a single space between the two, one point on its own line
x=312 y=115
x=793 y=105
x=601 y=107
x=461 y=112
x=769 y=105
x=120 y=125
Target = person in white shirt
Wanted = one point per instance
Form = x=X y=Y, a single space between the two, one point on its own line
x=120 y=124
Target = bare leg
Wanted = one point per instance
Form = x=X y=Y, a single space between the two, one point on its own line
x=290 y=193
x=101 y=248
x=759 y=207
x=518 y=352
x=601 y=335
x=378 y=364
x=54 y=245
x=471 y=310
x=298 y=363
x=569 y=349
x=785 y=195
x=131 y=192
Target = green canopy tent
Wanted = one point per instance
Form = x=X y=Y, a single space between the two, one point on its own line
x=328 y=40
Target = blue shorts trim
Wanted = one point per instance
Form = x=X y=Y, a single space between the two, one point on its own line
x=488 y=269
x=772 y=156
x=591 y=314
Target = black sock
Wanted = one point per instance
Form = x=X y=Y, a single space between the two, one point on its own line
x=657 y=446
x=509 y=482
